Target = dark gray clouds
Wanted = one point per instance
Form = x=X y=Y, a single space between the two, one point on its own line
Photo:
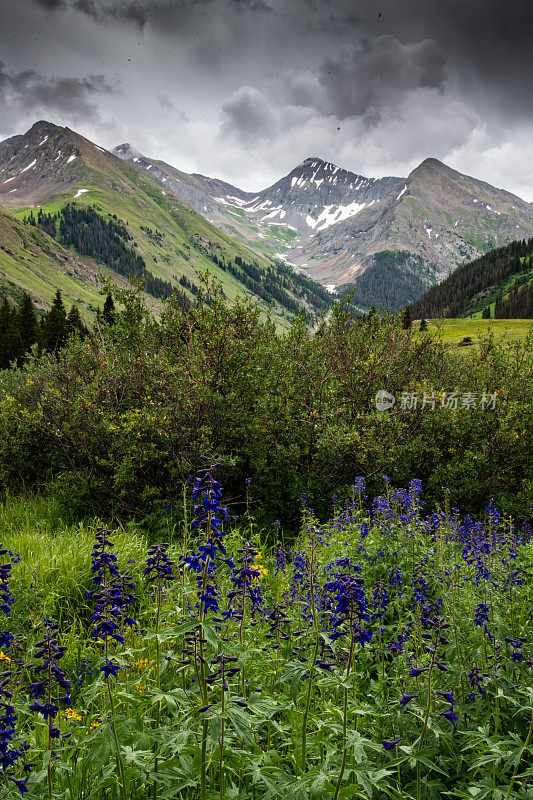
x=28 y=92
x=245 y=89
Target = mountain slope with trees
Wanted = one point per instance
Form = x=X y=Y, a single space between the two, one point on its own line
x=52 y=167
x=482 y=286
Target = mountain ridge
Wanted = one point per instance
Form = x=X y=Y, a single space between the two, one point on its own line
x=335 y=224
x=50 y=166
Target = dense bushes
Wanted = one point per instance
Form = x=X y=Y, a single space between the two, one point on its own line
x=118 y=421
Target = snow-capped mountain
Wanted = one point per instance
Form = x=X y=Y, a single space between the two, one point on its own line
x=314 y=196
x=390 y=237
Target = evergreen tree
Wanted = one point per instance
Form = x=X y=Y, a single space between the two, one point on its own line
x=28 y=323
x=109 y=310
x=485 y=314
x=423 y=325
x=10 y=341
x=75 y=322
x=406 y=318
x=55 y=326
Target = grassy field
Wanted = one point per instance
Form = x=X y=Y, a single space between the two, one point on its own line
x=453 y=331
x=385 y=655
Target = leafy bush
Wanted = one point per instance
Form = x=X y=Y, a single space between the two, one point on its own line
x=116 y=423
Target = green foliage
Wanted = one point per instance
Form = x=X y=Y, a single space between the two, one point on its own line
x=261 y=698
x=119 y=420
x=474 y=286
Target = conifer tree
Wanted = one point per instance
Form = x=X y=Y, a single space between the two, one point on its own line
x=55 y=326
x=406 y=318
x=423 y=325
x=109 y=310
x=10 y=341
x=75 y=322
x=28 y=323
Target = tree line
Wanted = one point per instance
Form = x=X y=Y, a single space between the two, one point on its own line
x=23 y=327
x=518 y=304
x=453 y=297
x=105 y=240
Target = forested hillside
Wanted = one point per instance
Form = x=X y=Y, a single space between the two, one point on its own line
x=475 y=286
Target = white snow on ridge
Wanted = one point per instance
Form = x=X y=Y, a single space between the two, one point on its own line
x=428 y=231
x=328 y=217
x=284 y=224
x=402 y=192
x=43 y=141
x=80 y=192
x=285 y=259
x=71 y=158
x=11 y=179
x=58 y=156
x=33 y=163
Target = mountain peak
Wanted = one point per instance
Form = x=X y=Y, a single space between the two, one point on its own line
x=431 y=165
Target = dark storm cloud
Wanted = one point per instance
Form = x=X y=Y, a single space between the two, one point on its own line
x=52 y=5
x=487 y=42
x=376 y=73
x=30 y=92
x=247 y=116
x=141 y=12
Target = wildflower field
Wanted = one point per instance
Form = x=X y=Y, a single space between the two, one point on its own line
x=386 y=653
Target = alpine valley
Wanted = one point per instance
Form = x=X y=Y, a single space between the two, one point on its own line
x=388 y=239
x=319 y=228
x=75 y=214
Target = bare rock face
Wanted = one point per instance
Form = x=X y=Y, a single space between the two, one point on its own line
x=391 y=238
x=335 y=225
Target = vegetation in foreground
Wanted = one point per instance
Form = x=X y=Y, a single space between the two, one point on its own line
x=386 y=654
x=113 y=424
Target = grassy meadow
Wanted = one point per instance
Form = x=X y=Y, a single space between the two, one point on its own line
x=226 y=573
x=453 y=331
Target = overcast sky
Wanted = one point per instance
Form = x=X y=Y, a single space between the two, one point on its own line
x=244 y=90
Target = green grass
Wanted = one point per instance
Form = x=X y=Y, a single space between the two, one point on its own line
x=184 y=248
x=452 y=331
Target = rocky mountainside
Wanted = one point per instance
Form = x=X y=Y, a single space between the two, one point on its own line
x=388 y=238
x=49 y=167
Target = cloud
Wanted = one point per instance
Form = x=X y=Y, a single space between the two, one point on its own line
x=377 y=73
x=30 y=93
x=377 y=107
x=248 y=115
x=52 y=5
x=141 y=12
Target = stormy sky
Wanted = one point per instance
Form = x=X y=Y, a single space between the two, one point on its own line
x=244 y=90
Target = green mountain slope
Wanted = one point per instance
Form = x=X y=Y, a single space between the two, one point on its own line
x=481 y=285
x=32 y=262
x=50 y=166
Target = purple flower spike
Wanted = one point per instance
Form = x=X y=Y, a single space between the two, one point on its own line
x=450 y=716
x=415 y=672
x=390 y=745
x=448 y=696
x=109 y=669
x=406 y=698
